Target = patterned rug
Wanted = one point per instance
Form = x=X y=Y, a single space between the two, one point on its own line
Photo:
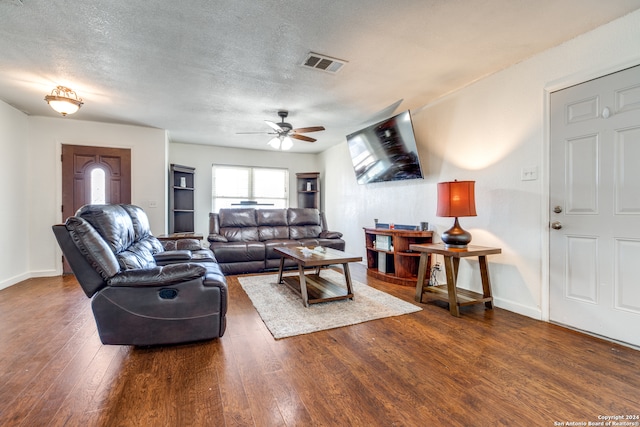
x=283 y=313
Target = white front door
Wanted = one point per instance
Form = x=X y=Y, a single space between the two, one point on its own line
x=595 y=206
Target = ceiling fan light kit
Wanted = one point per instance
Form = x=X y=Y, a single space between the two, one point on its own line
x=281 y=143
x=64 y=100
x=287 y=143
x=285 y=133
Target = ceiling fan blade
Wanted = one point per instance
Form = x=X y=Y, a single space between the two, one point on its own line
x=255 y=133
x=302 y=137
x=309 y=129
x=274 y=126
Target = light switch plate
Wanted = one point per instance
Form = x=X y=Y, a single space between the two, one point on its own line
x=529 y=173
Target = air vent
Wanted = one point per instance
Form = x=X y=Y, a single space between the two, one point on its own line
x=323 y=63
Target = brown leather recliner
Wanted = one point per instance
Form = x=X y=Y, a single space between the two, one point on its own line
x=140 y=293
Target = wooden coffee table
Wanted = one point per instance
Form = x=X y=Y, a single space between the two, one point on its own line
x=312 y=287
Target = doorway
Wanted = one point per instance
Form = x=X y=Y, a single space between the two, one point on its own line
x=94 y=175
x=594 y=197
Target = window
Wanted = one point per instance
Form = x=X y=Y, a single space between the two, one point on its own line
x=237 y=186
x=98 y=187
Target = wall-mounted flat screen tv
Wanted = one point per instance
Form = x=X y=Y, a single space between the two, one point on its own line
x=385 y=151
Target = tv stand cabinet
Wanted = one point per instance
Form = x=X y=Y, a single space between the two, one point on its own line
x=401 y=262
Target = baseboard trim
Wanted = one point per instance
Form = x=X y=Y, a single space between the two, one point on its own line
x=13 y=280
x=24 y=276
x=533 y=312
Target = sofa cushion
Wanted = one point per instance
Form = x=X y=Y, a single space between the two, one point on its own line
x=271 y=217
x=240 y=234
x=138 y=255
x=238 y=218
x=303 y=216
x=139 y=220
x=112 y=222
x=273 y=232
x=271 y=245
x=304 y=223
x=298 y=232
x=238 y=251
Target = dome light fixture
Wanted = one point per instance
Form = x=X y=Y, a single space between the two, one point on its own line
x=64 y=100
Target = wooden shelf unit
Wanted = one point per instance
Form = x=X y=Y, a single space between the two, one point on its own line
x=181 y=199
x=308 y=198
x=402 y=262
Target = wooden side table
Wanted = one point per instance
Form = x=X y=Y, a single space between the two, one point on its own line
x=450 y=292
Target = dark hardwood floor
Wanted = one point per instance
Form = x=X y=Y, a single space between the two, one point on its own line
x=429 y=368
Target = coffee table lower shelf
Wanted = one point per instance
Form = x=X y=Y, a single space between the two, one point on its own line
x=319 y=289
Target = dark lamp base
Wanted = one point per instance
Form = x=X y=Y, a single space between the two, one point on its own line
x=456 y=236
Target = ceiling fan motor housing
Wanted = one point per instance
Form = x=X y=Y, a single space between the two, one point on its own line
x=285 y=126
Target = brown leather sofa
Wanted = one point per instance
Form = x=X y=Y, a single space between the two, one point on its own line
x=142 y=294
x=244 y=240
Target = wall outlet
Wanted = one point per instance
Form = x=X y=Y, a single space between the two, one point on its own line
x=437 y=266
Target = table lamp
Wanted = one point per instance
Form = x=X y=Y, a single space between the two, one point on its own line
x=456 y=199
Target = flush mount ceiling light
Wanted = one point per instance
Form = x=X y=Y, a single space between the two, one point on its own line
x=64 y=100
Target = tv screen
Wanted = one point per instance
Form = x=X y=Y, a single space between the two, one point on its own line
x=385 y=151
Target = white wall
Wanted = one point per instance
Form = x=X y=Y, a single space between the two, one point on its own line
x=14 y=249
x=202 y=157
x=487 y=132
x=45 y=139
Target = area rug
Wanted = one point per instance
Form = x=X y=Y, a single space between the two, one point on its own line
x=283 y=313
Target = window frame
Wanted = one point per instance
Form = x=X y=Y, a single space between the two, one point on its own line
x=252 y=199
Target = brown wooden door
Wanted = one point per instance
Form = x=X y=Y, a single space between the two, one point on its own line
x=79 y=163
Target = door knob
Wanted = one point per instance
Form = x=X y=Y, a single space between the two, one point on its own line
x=556 y=225
x=557 y=209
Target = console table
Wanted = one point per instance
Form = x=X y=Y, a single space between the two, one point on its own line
x=402 y=262
x=450 y=292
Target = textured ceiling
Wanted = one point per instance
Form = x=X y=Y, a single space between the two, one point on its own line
x=205 y=70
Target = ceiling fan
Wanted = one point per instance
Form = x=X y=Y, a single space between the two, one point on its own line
x=285 y=132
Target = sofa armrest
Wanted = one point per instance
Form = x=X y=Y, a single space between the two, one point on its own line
x=158 y=276
x=166 y=256
x=330 y=234
x=181 y=245
x=217 y=238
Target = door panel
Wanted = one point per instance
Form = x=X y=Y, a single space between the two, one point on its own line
x=627 y=291
x=582 y=282
x=594 y=197
x=627 y=187
x=582 y=175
